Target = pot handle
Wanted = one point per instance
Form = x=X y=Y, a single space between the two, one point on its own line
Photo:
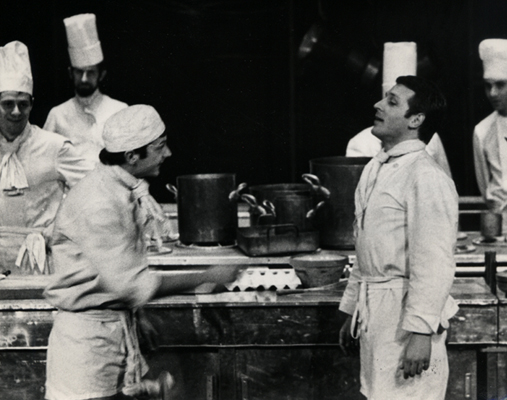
x=269 y=206
x=173 y=189
x=250 y=200
x=234 y=195
x=316 y=185
x=313 y=211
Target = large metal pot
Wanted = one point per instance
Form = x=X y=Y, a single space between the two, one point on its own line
x=335 y=220
x=207 y=208
x=287 y=202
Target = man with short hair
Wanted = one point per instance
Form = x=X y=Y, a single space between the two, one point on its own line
x=397 y=298
x=36 y=167
x=490 y=135
x=400 y=58
x=102 y=274
x=82 y=118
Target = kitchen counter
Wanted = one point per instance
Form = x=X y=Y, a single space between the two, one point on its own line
x=256 y=344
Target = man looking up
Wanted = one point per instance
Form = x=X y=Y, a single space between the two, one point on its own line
x=82 y=118
x=36 y=167
x=397 y=296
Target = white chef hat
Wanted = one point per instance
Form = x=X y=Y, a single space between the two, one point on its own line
x=83 y=40
x=493 y=53
x=400 y=58
x=131 y=128
x=15 y=70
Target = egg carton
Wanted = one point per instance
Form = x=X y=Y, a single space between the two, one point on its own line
x=255 y=278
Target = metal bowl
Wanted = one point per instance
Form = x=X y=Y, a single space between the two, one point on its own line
x=320 y=268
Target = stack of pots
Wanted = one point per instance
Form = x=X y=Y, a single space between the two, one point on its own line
x=207 y=208
x=336 y=218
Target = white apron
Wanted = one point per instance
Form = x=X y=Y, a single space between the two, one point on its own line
x=93 y=354
x=382 y=342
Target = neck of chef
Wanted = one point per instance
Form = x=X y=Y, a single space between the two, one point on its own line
x=388 y=142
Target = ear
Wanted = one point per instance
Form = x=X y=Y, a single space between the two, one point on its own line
x=416 y=121
x=131 y=157
x=69 y=69
x=102 y=75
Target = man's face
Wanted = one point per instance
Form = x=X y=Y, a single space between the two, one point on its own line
x=86 y=79
x=390 y=121
x=496 y=92
x=15 y=110
x=156 y=152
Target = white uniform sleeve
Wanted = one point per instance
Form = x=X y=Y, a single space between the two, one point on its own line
x=350 y=295
x=432 y=222
x=71 y=166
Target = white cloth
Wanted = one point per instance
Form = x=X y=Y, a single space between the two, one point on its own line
x=132 y=128
x=35 y=247
x=493 y=53
x=100 y=218
x=406 y=229
x=12 y=175
x=490 y=157
x=400 y=58
x=84 y=45
x=100 y=268
x=82 y=119
x=365 y=144
x=76 y=372
x=382 y=344
x=15 y=70
x=50 y=164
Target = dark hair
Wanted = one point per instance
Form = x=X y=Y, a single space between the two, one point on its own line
x=108 y=158
x=428 y=100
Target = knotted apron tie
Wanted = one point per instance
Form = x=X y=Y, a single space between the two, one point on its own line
x=35 y=246
x=134 y=368
x=361 y=313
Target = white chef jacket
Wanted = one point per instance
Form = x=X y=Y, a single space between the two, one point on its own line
x=490 y=157
x=406 y=234
x=51 y=164
x=101 y=271
x=82 y=119
x=365 y=144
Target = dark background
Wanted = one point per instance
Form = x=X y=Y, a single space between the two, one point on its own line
x=236 y=94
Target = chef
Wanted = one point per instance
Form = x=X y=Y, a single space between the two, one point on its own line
x=400 y=58
x=35 y=168
x=102 y=274
x=82 y=118
x=397 y=298
x=490 y=135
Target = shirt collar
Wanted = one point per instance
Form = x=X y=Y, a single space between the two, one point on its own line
x=405 y=147
x=122 y=175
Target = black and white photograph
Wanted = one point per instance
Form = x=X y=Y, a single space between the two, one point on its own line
x=253 y=200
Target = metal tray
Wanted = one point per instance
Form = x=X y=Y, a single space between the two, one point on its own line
x=276 y=240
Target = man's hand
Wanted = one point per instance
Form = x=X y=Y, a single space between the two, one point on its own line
x=416 y=358
x=222 y=273
x=347 y=343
